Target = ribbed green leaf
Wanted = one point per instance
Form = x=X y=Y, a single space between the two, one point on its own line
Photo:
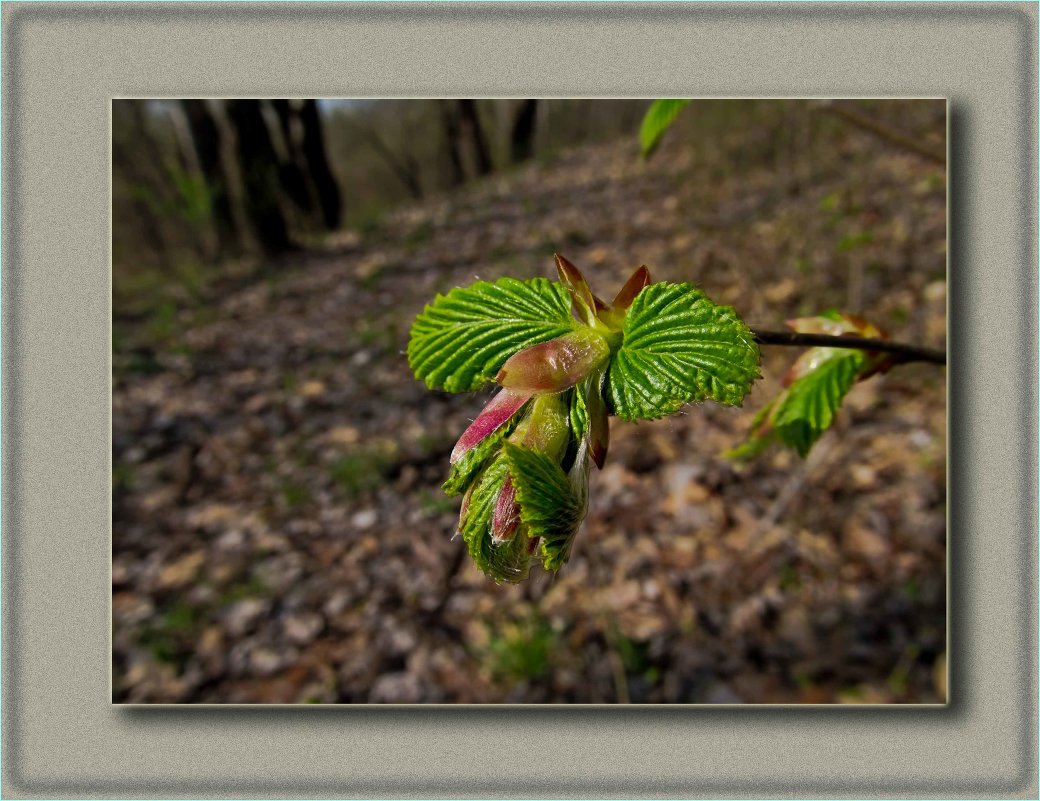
x=461 y=340
x=658 y=119
x=502 y=561
x=810 y=403
x=679 y=347
x=799 y=415
x=549 y=506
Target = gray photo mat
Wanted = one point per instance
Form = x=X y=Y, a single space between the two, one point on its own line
x=63 y=64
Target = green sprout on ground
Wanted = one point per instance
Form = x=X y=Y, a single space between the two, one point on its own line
x=565 y=360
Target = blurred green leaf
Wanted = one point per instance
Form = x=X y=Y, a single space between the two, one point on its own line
x=813 y=400
x=522 y=650
x=816 y=386
x=357 y=472
x=659 y=117
x=800 y=414
x=853 y=241
x=831 y=202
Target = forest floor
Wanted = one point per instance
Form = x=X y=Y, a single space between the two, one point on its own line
x=279 y=534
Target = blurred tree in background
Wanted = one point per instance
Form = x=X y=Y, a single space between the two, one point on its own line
x=521 y=139
x=201 y=183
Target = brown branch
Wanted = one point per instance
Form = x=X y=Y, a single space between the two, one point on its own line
x=900 y=350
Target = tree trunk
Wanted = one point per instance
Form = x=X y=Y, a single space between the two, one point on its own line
x=149 y=222
x=260 y=181
x=136 y=158
x=318 y=165
x=471 y=121
x=205 y=137
x=291 y=170
x=453 y=142
x=521 y=138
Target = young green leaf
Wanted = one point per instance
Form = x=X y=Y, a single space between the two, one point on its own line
x=658 y=119
x=579 y=411
x=461 y=340
x=799 y=415
x=811 y=402
x=815 y=385
x=678 y=347
x=549 y=506
x=507 y=560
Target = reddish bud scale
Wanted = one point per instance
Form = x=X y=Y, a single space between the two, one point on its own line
x=507 y=513
x=585 y=303
x=497 y=412
x=835 y=326
x=639 y=280
x=556 y=365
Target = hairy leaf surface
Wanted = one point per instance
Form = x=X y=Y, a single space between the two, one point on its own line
x=549 y=506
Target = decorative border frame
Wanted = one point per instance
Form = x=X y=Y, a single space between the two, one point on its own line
x=62 y=64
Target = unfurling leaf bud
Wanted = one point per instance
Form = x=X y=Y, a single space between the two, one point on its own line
x=496 y=525
x=523 y=464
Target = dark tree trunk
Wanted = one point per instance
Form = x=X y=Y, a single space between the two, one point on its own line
x=149 y=221
x=291 y=171
x=521 y=138
x=152 y=161
x=137 y=158
x=318 y=165
x=259 y=166
x=453 y=142
x=205 y=137
x=471 y=121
